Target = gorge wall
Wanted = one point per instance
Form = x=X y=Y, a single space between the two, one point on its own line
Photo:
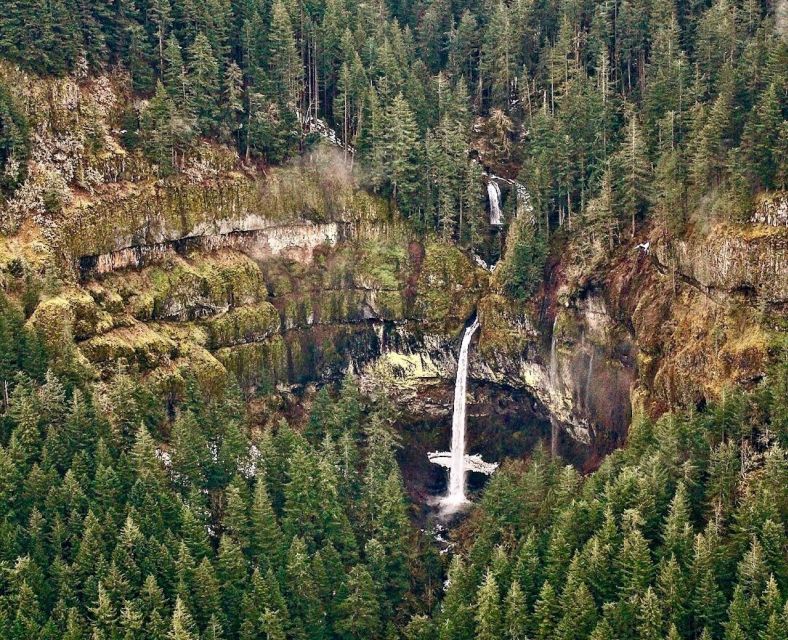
x=292 y=275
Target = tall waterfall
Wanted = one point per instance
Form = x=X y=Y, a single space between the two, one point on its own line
x=494 y=195
x=456 y=493
x=553 y=374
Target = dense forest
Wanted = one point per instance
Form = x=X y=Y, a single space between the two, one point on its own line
x=306 y=535
x=613 y=109
x=125 y=517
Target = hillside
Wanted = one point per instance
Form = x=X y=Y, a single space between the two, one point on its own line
x=241 y=245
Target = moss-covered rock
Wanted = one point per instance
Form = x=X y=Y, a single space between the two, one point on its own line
x=252 y=323
x=71 y=315
x=138 y=344
x=256 y=365
x=450 y=286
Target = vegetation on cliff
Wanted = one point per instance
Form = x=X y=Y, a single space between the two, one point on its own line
x=182 y=258
x=120 y=522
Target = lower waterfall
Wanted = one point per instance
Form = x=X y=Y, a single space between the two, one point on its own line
x=456 y=460
x=456 y=493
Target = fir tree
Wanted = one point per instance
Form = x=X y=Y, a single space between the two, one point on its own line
x=203 y=89
x=359 y=611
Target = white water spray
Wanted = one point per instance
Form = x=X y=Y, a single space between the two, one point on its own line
x=494 y=195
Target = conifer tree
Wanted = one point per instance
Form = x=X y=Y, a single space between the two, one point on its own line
x=303 y=604
x=203 y=78
x=489 y=623
x=173 y=72
x=516 y=613
x=284 y=66
x=182 y=627
x=160 y=17
x=401 y=147
x=634 y=179
x=546 y=612
x=359 y=611
x=265 y=536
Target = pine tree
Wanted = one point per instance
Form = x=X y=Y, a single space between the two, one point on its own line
x=139 y=58
x=173 y=73
x=602 y=631
x=160 y=16
x=489 y=624
x=401 y=149
x=207 y=594
x=273 y=626
x=182 y=627
x=636 y=566
x=203 y=78
x=266 y=540
x=359 y=611
x=14 y=149
x=131 y=621
x=516 y=613
x=525 y=258
x=634 y=169
x=232 y=574
x=546 y=612
x=672 y=591
x=677 y=532
x=236 y=520
x=498 y=58
x=579 y=613
x=233 y=100
x=284 y=65
x=761 y=139
x=649 y=617
x=301 y=592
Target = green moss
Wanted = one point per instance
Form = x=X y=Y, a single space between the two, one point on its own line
x=71 y=315
x=245 y=324
x=184 y=289
x=260 y=364
x=449 y=287
x=138 y=344
x=505 y=328
x=383 y=264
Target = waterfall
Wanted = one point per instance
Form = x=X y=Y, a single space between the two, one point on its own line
x=456 y=460
x=552 y=374
x=553 y=358
x=589 y=376
x=456 y=493
x=494 y=195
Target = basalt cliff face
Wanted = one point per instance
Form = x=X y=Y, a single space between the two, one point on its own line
x=290 y=276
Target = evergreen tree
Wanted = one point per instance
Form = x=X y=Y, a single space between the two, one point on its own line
x=14 y=144
x=182 y=627
x=546 y=612
x=359 y=611
x=203 y=79
x=634 y=167
x=173 y=72
x=489 y=623
x=516 y=613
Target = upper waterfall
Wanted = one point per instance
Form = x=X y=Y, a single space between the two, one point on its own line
x=494 y=195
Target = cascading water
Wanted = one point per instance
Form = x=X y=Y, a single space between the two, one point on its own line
x=456 y=493
x=456 y=460
x=494 y=195
x=553 y=374
x=588 y=378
